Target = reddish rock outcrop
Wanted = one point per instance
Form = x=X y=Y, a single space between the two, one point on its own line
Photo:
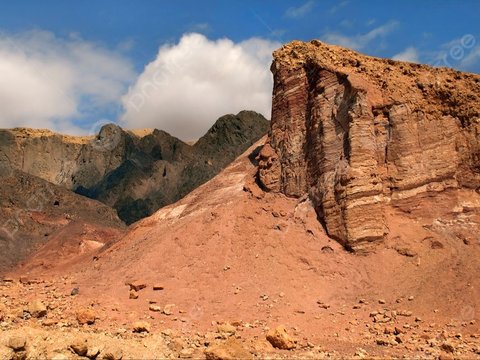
x=358 y=133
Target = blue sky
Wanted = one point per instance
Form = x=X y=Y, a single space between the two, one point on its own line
x=129 y=34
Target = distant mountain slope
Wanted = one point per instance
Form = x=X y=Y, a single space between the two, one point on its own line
x=136 y=173
x=34 y=212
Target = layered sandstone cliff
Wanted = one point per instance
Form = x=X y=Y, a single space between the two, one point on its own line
x=359 y=134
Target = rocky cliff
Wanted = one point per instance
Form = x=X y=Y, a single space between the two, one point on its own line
x=69 y=161
x=136 y=173
x=359 y=134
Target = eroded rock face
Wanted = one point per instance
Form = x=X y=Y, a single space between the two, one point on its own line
x=358 y=133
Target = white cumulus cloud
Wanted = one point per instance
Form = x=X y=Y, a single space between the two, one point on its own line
x=410 y=54
x=47 y=82
x=192 y=83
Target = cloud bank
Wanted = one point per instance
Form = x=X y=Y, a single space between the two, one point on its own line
x=192 y=83
x=48 y=82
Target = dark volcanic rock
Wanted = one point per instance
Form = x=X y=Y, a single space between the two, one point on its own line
x=161 y=169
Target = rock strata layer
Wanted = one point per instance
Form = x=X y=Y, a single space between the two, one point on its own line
x=357 y=134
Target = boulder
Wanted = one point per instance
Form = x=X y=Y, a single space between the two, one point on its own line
x=280 y=339
x=37 y=309
x=17 y=343
x=86 y=316
x=79 y=347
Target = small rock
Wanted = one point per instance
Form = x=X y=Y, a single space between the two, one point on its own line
x=141 y=326
x=176 y=344
x=447 y=347
x=186 y=353
x=381 y=301
x=404 y=251
x=93 y=352
x=280 y=339
x=361 y=353
x=17 y=343
x=410 y=298
x=49 y=322
x=226 y=329
x=75 y=291
x=158 y=287
x=137 y=285
x=155 y=308
x=230 y=350
x=436 y=245
x=168 y=309
x=86 y=316
x=323 y=305
x=327 y=249
x=25 y=280
x=133 y=295
x=382 y=342
x=112 y=353
x=80 y=348
x=254 y=190
x=404 y=313
x=381 y=318
x=3 y=311
x=37 y=309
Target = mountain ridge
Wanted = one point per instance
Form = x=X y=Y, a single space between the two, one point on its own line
x=134 y=174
